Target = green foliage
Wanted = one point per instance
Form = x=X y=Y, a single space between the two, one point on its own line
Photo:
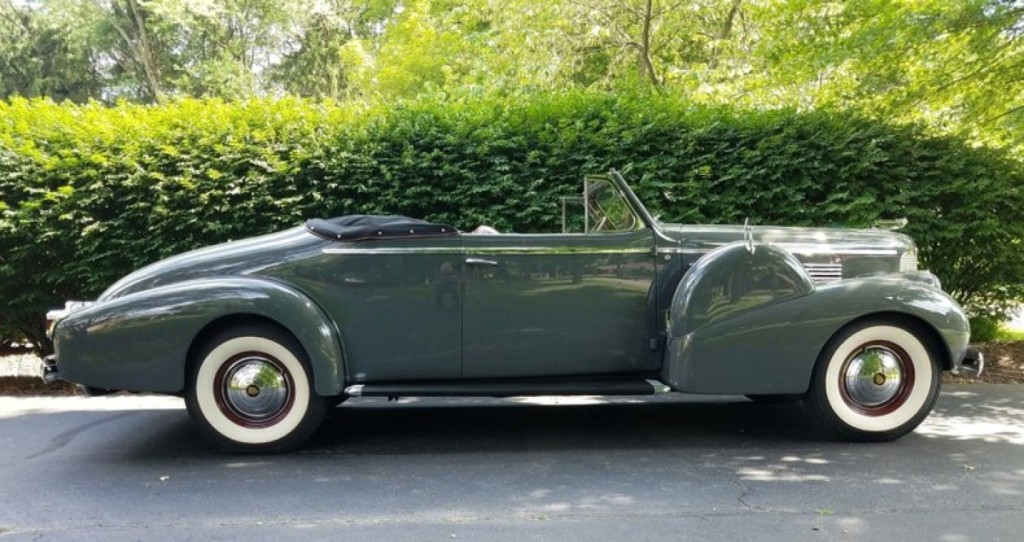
x=985 y=328
x=930 y=61
x=38 y=57
x=88 y=193
x=954 y=66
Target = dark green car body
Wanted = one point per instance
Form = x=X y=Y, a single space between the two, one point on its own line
x=699 y=309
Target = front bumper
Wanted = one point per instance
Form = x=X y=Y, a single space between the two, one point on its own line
x=972 y=364
x=50 y=372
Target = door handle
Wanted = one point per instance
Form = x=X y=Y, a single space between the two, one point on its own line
x=481 y=261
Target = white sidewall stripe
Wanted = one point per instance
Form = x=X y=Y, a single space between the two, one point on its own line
x=206 y=394
x=923 y=371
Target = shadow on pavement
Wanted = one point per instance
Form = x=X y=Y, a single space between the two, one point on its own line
x=370 y=427
x=442 y=427
x=497 y=427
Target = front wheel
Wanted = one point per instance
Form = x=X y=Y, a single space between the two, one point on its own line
x=251 y=390
x=876 y=380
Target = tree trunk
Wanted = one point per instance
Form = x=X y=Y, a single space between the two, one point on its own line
x=146 y=55
x=646 y=61
x=137 y=45
x=723 y=33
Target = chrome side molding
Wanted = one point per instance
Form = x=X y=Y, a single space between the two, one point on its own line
x=658 y=386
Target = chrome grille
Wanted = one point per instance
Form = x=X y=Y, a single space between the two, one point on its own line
x=822 y=273
x=908 y=261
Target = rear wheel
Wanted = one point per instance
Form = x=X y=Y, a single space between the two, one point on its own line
x=876 y=380
x=251 y=390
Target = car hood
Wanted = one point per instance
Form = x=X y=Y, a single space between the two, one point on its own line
x=245 y=257
x=800 y=241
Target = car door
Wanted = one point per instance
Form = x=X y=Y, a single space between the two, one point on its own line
x=558 y=304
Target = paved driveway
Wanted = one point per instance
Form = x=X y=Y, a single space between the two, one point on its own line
x=128 y=468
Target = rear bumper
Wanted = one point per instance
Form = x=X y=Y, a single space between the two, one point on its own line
x=56 y=315
x=972 y=364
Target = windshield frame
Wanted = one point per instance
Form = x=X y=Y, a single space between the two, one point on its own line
x=641 y=217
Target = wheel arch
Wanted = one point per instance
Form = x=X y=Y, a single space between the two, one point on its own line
x=226 y=322
x=328 y=373
x=928 y=332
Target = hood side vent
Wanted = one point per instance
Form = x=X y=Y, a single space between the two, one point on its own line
x=824 y=273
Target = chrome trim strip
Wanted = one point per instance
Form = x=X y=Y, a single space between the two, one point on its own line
x=394 y=250
x=479 y=261
x=354 y=390
x=831 y=250
x=486 y=250
x=659 y=386
x=670 y=250
x=803 y=250
x=557 y=250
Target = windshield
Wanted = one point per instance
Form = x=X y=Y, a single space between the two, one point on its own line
x=607 y=209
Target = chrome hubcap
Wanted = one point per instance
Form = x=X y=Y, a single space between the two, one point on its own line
x=255 y=389
x=873 y=377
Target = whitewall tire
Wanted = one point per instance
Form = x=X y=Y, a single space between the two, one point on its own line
x=251 y=390
x=875 y=380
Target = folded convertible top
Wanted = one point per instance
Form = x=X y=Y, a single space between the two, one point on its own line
x=363 y=227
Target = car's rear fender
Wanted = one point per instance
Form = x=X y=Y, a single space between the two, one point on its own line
x=768 y=344
x=141 y=341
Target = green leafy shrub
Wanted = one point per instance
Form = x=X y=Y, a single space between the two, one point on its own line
x=985 y=328
x=88 y=193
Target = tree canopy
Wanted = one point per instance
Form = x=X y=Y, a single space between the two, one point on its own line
x=956 y=66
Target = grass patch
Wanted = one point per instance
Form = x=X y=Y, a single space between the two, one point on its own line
x=1006 y=334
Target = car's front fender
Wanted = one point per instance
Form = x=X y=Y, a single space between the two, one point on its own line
x=760 y=344
x=140 y=342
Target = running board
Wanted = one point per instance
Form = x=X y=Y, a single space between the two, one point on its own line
x=508 y=389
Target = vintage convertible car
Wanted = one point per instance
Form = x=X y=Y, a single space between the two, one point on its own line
x=263 y=336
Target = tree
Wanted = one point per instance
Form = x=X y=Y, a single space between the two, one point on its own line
x=38 y=58
x=665 y=43
x=329 y=51
x=957 y=66
x=137 y=51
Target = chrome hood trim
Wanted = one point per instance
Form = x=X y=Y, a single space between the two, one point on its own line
x=799 y=241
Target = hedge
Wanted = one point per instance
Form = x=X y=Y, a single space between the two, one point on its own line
x=88 y=193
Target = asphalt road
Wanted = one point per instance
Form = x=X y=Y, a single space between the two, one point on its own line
x=132 y=468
